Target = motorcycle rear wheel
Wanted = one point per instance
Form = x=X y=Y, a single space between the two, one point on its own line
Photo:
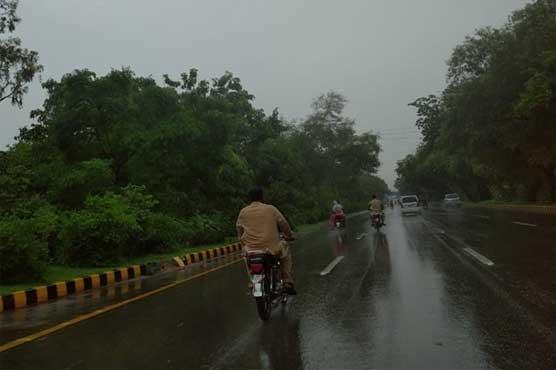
x=264 y=307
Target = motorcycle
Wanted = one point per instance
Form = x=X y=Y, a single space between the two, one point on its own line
x=266 y=280
x=376 y=221
x=338 y=220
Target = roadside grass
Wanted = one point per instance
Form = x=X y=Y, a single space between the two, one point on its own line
x=546 y=209
x=178 y=252
x=57 y=273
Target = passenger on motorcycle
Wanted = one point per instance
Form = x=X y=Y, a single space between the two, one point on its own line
x=259 y=226
x=376 y=206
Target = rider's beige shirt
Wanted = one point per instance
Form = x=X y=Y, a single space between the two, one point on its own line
x=259 y=226
x=375 y=206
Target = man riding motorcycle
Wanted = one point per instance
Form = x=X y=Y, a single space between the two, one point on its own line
x=336 y=206
x=259 y=226
x=337 y=214
x=376 y=207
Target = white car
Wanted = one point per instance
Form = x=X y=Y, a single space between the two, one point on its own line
x=452 y=200
x=410 y=205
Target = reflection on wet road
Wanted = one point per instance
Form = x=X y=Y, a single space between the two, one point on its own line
x=407 y=297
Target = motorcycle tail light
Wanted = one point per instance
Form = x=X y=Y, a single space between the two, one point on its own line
x=256 y=268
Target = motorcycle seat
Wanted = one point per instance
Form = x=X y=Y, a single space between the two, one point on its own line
x=264 y=257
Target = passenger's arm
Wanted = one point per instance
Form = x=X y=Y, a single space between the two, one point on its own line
x=283 y=225
x=239 y=230
x=239 y=226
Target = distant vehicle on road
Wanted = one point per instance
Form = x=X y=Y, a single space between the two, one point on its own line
x=338 y=219
x=410 y=205
x=452 y=200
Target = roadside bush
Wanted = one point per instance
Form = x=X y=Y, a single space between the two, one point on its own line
x=212 y=228
x=104 y=231
x=23 y=249
x=163 y=233
x=113 y=226
x=137 y=198
x=159 y=232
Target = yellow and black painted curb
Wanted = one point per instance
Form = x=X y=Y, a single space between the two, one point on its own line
x=53 y=291
x=206 y=255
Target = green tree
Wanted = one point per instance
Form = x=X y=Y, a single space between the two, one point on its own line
x=491 y=130
x=125 y=166
x=18 y=65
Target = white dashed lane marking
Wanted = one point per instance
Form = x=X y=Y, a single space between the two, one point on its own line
x=331 y=265
x=361 y=236
x=479 y=257
x=524 y=224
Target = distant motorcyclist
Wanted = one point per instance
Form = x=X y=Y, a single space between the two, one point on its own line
x=337 y=207
x=376 y=207
x=259 y=226
x=337 y=214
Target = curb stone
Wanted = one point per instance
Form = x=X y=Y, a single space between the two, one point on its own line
x=208 y=254
x=48 y=293
x=45 y=293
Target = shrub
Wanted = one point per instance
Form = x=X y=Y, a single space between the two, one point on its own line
x=208 y=228
x=112 y=226
x=163 y=233
x=23 y=248
x=137 y=198
x=104 y=231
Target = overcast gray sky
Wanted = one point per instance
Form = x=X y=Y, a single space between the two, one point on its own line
x=381 y=54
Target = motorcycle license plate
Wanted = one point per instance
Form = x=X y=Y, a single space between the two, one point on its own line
x=257 y=281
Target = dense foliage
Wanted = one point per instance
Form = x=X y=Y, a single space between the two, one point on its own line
x=18 y=65
x=118 y=165
x=491 y=133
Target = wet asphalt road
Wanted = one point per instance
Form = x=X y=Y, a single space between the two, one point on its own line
x=408 y=297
